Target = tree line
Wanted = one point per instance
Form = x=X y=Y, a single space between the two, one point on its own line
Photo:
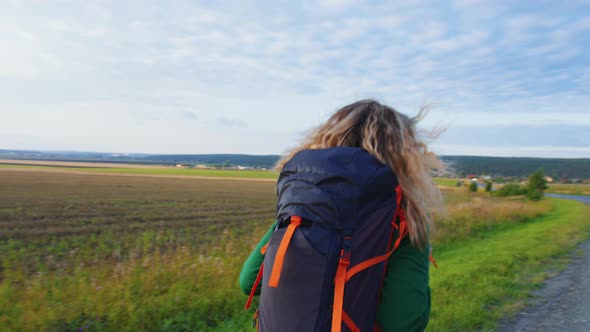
x=519 y=167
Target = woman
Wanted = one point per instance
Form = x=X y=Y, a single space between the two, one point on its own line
x=347 y=168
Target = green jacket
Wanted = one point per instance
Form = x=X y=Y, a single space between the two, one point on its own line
x=405 y=297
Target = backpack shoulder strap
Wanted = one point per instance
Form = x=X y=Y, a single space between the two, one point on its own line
x=277 y=266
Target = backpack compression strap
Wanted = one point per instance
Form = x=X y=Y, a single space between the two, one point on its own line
x=275 y=275
x=339 y=283
x=255 y=286
x=258 y=279
x=376 y=260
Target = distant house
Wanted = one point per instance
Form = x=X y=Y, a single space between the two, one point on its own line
x=472 y=177
x=201 y=166
x=549 y=179
x=181 y=165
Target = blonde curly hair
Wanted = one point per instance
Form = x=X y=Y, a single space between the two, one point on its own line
x=391 y=137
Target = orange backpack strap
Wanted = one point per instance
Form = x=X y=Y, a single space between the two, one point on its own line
x=367 y=264
x=403 y=228
x=343 y=274
x=255 y=286
x=275 y=274
x=349 y=323
x=431 y=259
x=339 y=283
x=376 y=260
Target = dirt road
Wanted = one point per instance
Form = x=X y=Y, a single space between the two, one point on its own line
x=563 y=304
x=82 y=171
x=78 y=164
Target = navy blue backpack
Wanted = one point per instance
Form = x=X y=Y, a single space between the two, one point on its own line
x=339 y=220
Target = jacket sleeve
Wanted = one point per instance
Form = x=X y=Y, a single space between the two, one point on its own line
x=252 y=265
x=405 y=297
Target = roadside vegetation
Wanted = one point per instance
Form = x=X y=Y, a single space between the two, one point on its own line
x=569 y=189
x=106 y=253
x=533 y=190
x=482 y=279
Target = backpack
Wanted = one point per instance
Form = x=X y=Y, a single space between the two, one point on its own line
x=339 y=220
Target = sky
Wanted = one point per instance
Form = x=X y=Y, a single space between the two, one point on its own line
x=505 y=78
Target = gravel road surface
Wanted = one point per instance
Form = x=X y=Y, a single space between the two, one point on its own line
x=563 y=304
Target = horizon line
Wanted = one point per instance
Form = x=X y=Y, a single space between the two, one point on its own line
x=259 y=155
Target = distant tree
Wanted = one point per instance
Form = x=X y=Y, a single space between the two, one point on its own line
x=473 y=186
x=488 y=186
x=536 y=186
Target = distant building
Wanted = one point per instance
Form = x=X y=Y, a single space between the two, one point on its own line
x=201 y=166
x=181 y=165
x=472 y=177
x=549 y=179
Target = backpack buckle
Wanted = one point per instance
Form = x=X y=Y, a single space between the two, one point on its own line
x=346 y=245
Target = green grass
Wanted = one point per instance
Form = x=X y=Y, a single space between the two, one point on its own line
x=446 y=182
x=258 y=174
x=484 y=278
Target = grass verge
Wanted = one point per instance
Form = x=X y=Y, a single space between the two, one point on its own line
x=484 y=278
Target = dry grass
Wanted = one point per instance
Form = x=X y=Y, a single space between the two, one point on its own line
x=469 y=214
x=569 y=189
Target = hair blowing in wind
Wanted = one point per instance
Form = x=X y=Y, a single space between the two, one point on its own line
x=391 y=137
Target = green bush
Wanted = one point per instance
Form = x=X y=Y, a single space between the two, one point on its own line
x=488 y=186
x=534 y=195
x=510 y=190
x=473 y=186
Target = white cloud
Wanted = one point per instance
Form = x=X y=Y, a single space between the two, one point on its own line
x=329 y=6
x=285 y=62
